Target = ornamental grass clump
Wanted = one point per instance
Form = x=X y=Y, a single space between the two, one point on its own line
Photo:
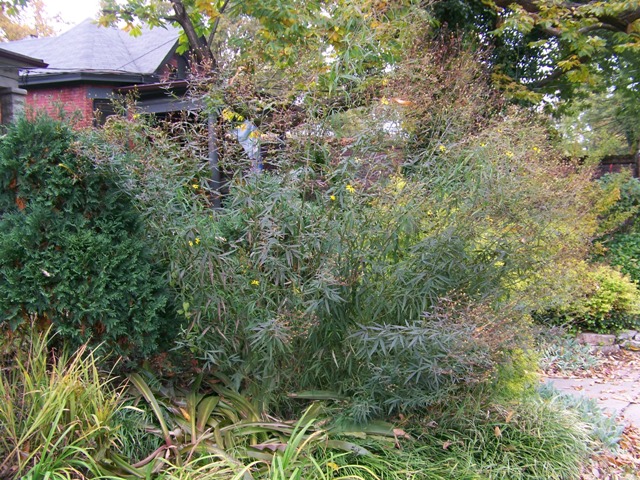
x=57 y=412
x=388 y=254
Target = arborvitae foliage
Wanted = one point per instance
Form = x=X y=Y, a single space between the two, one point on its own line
x=72 y=250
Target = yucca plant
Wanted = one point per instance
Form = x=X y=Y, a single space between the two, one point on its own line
x=221 y=431
x=56 y=413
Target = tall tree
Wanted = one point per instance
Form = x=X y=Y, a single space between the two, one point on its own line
x=32 y=20
x=200 y=19
x=572 y=50
x=279 y=49
x=278 y=32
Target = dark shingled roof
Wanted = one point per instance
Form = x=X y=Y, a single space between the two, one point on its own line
x=21 y=60
x=90 y=48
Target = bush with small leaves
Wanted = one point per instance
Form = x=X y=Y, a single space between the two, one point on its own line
x=610 y=302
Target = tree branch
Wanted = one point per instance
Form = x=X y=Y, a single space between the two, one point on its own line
x=217 y=22
x=548 y=80
x=557 y=32
x=618 y=23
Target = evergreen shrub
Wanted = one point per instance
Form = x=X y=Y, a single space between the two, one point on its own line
x=72 y=248
x=623 y=250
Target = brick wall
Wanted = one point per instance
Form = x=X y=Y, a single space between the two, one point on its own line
x=74 y=101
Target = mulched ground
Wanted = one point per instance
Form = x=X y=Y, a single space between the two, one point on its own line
x=611 y=367
x=621 y=465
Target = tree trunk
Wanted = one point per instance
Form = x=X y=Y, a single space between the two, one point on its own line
x=199 y=44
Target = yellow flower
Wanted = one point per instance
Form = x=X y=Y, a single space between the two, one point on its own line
x=190 y=243
x=509 y=154
x=536 y=149
x=195 y=186
x=332 y=198
x=483 y=144
x=230 y=116
x=399 y=183
x=442 y=148
x=255 y=282
x=350 y=188
x=384 y=101
x=197 y=240
x=333 y=466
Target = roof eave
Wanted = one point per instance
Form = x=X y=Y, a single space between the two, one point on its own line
x=159 y=87
x=66 y=78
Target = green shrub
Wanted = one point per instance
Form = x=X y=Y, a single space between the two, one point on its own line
x=614 y=303
x=623 y=250
x=72 y=248
x=516 y=376
x=611 y=303
x=619 y=243
x=620 y=202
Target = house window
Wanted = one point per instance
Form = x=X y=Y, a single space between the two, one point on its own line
x=102 y=109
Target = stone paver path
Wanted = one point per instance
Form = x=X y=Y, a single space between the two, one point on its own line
x=616 y=388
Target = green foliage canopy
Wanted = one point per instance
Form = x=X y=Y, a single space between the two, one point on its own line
x=554 y=44
x=12 y=7
x=582 y=54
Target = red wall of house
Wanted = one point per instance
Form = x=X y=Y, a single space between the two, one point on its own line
x=73 y=101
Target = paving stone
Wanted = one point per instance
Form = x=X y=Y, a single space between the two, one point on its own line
x=617 y=391
x=615 y=398
x=607 y=349
x=632 y=414
x=631 y=345
x=596 y=339
x=627 y=335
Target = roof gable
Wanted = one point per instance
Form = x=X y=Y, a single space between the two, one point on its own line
x=90 y=48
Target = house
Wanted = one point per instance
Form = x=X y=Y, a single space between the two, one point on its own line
x=89 y=65
x=12 y=97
